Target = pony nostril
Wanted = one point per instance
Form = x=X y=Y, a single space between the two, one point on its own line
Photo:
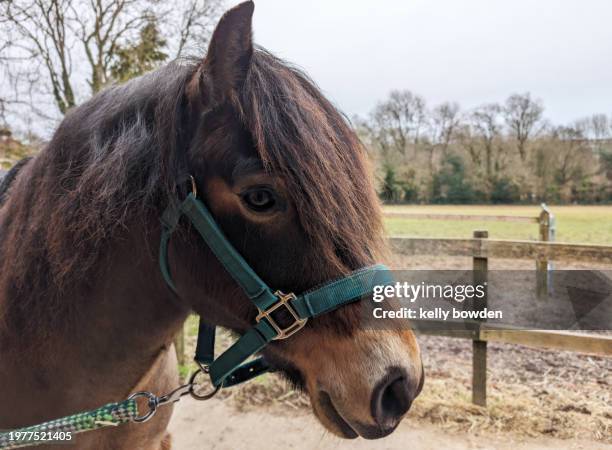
x=391 y=399
x=395 y=399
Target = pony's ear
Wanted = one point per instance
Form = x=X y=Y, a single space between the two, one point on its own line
x=229 y=53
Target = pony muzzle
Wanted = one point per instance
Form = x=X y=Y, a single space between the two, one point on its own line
x=360 y=385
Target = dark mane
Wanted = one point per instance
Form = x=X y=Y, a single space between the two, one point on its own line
x=116 y=158
x=110 y=162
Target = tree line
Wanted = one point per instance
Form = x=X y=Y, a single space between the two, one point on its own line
x=495 y=153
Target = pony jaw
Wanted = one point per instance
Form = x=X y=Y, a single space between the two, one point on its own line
x=343 y=376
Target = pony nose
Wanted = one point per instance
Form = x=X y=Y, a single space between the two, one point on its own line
x=391 y=398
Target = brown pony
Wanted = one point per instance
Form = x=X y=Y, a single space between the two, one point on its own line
x=85 y=315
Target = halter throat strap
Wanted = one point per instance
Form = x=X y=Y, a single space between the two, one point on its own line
x=230 y=367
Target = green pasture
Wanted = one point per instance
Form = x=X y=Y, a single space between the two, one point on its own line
x=579 y=224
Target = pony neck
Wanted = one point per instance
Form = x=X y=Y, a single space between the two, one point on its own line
x=114 y=326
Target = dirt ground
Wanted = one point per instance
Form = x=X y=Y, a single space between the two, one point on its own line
x=217 y=425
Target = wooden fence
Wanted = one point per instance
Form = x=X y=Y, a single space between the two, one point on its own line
x=502 y=248
x=547 y=231
x=480 y=248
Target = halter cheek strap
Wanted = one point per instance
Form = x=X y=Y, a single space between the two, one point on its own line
x=230 y=367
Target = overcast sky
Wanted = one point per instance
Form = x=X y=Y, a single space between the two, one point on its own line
x=469 y=51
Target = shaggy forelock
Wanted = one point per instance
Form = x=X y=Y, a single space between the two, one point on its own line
x=301 y=135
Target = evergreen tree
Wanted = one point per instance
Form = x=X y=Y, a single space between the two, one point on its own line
x=144 y=55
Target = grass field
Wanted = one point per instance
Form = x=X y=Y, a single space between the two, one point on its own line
x=584 y=224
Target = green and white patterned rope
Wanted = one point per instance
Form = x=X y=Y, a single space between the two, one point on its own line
x=111 y=414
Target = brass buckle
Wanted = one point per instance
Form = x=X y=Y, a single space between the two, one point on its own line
x=284 y=299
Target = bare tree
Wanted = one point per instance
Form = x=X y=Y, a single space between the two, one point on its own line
x=3 y=99
x=445 y=119
x=442 y=123
x=58 y=47
x=195 y=20
x=399 y=121
x=486 y=122
x=40 y=32
x=574 y=160
x=601 y=126
x=524 y=118
x=596 y=128
x=468 y=141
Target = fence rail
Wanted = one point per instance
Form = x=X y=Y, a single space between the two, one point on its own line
x=473 y=217
x=595 y=344
x=502 y=248
x=547 y=230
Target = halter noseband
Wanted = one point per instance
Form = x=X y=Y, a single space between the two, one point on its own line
x=230 y=367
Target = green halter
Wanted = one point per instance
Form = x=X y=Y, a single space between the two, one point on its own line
x=230 y=367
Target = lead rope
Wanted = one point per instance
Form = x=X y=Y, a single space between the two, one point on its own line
x=109 y=415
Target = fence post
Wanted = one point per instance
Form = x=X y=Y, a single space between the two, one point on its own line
x=179 y=345
x=479 y=348
x=543 y=266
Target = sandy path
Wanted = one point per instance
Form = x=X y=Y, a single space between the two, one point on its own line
x=215 y=425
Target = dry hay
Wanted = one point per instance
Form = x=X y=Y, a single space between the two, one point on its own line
x=530 y=392
x=514 y=409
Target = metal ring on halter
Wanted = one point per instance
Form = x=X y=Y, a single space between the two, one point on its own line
x=152 y=404
x=194 y=187
x=192 y=383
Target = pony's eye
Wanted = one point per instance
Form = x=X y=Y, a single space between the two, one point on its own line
x=259 y=199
